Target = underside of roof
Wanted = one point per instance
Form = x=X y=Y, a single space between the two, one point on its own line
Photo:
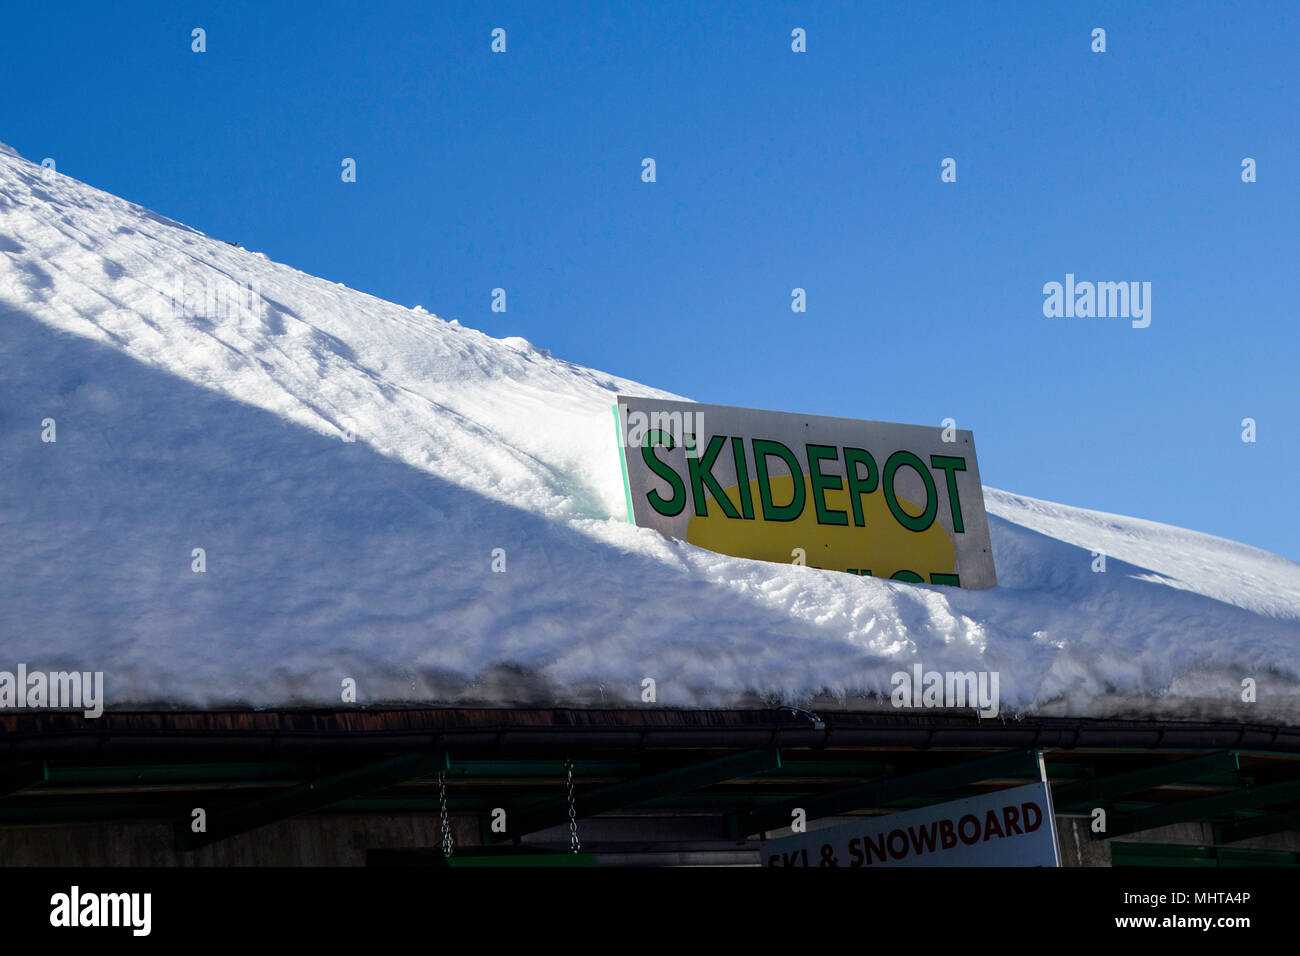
x=740 y=772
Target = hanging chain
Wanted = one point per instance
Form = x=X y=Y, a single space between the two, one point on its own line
x=442 y=812
x=574 y=843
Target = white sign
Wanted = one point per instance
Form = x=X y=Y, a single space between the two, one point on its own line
x=870 y=498
x=1008 y=828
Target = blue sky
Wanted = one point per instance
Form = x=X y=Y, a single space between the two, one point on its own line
x=775 y=170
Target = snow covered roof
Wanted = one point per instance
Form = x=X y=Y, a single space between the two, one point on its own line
x=349 y=466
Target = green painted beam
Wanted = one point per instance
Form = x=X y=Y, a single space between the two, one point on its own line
x=20 y=776
x=711 y=803
x=1066 y=771
x=1201 y=808
x=84 y=811
x=151 y=775
x=1168 y=854
x=884 y=792
x=304 y=798
x=520 y=770
x=828 y=770
x=525 y=820
x=1099 y=791
x=685 y=803
x=199 y=776
x=1257 y=827
x=478 y=857
x=1158 y=854
x=1256 y=858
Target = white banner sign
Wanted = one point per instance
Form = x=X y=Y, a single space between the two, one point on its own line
x=1008 y=828
x=870 y=498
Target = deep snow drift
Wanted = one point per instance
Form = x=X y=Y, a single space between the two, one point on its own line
x=204 y=397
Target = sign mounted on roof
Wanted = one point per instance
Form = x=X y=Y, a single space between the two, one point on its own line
x=874 y=498
x=1012 y=827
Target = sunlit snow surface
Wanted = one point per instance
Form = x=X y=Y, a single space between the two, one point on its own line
x=203 y=397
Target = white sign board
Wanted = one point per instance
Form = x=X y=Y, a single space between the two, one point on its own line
x=870 y=498
x=1008 y=828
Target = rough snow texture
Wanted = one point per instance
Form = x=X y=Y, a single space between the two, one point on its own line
x=203 y=397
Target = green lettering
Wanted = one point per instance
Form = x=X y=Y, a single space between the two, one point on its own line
x=950 y=466
x=919 y=522
x=762 y=449
x=701 y=470
x=820 y=482
x=858 y=485
x=674 y=505
x=742 y=478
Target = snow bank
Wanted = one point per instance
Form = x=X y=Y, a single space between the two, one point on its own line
x=349 y=468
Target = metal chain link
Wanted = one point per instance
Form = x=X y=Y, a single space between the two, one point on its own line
x=442 y=811
x=574 y=843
